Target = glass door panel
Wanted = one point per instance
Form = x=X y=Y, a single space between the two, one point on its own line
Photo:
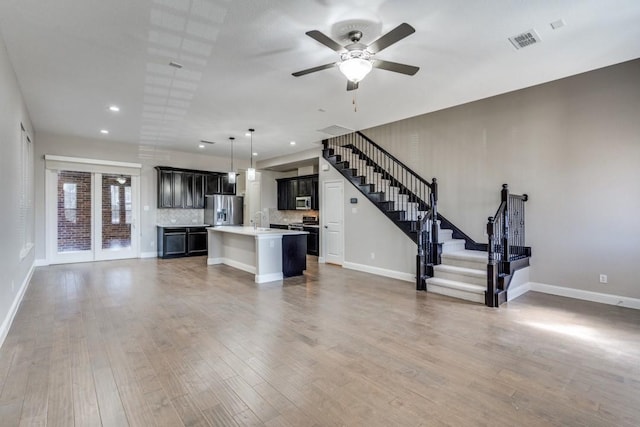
x=74 y=216
x=116 y=218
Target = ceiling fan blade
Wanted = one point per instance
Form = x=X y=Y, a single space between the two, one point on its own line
x=325 y=40
x=313 y=70
x=394 y=66
x=351 y=85
x=401 y=31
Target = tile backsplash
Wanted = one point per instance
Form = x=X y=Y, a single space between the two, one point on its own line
x=179 y=216
x=285 y=217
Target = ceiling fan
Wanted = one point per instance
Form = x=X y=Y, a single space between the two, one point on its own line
x=357 y=59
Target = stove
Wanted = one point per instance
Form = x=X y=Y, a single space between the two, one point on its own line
x=306 y=220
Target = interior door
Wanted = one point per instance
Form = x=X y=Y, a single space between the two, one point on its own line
x=333 y=222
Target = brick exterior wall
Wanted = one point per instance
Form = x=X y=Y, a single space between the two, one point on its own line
x=74 y=223
x=115 y=235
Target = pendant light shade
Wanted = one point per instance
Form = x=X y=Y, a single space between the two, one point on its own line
x=232 y=171
x=251 y=172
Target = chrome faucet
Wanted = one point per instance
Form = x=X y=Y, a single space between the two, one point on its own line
x=261 y=219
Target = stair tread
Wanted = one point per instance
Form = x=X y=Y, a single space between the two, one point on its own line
x=468 y=287
x=460 y=270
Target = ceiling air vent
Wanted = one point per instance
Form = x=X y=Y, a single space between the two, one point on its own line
x=336 y=130
x=525 y=39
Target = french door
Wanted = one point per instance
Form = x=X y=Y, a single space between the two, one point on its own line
x=92 y=216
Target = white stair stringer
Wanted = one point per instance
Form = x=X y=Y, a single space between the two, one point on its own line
x=462 y=274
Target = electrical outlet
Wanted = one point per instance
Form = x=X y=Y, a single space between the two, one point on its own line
x=151 y=243
x=603 y=278
x=373 y=255
x=13 y=284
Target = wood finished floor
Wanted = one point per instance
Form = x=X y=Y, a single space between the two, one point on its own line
x=173 y=342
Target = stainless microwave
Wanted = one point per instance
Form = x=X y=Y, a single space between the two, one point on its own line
x=303 y=203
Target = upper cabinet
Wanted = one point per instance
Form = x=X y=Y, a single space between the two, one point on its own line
x=186 y=188
x=300 y=186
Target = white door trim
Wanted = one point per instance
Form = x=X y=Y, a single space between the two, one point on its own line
x=96 y=254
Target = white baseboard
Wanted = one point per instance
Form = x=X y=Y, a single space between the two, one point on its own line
x=271 y=277
x=400 y=275
x=8 y=320
x=232 y=263
x=518 y=291
x=610 y=299
x=40 y=263
x=149 y=254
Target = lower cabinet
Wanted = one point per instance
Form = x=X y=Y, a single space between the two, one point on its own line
x=313 y=240
x=294 y=251
x=175 y=242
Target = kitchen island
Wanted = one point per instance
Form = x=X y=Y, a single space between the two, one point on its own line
x=267 y=253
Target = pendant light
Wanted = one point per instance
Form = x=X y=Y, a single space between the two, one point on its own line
x=232 y=172
x=251 y=172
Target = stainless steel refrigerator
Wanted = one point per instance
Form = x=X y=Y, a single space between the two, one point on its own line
x=223 y=210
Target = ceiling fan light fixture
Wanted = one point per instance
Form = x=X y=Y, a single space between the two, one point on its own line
x=355 y=68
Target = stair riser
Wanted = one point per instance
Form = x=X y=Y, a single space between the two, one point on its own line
x=478 y=265
x=475 y=280
x=455 y=293
x=451 y=246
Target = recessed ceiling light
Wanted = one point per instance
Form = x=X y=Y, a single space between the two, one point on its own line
x=292 y=143
x=104 y=131
x=200 y=145
x=114 y=108
x=255 y=154
x=247 y=134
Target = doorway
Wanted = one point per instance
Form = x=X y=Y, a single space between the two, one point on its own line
x=333 y=221
x=91 y=216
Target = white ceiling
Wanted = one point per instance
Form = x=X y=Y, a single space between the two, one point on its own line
x=74 y=58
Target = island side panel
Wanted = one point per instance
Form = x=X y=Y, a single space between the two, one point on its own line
x=294 y=254
x=269 y=258
x=240 y=251
x=215 y=249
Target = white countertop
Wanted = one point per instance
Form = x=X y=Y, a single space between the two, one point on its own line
x=182 y=225
x=249 y=231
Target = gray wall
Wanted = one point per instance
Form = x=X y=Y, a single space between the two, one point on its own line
x=149 y=157
x=368 y=231
x=13 y=111
x=573 y=145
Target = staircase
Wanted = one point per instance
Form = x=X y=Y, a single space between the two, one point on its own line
x=449 y=262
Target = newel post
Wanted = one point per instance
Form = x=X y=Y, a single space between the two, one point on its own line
x=506 y=252
x=420 y=259
x=490 y=297
x=435 y=255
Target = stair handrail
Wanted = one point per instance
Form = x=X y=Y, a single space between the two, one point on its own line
x=393 y=158
x=506 y=239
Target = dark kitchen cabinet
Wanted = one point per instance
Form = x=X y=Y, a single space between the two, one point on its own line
x=305 y=186
x=176 y=242
x=290 y=188
x=165 y=189
x=313 y=240
x=294 y=259
x=225 y=186
x=186 y=188
x=196 y=241
x=315 y=199
x=194 y=190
